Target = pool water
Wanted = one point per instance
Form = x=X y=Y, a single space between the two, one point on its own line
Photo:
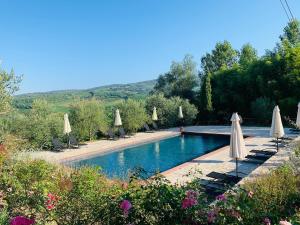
x=156 y=156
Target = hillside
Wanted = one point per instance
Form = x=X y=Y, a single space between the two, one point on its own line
x=109 y=93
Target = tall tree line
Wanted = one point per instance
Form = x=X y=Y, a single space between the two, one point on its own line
x=233 y=80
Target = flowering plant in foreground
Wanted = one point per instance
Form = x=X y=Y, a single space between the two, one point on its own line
x=51 y=201
x=190 y=200
x=125 y=205
x=20 y=220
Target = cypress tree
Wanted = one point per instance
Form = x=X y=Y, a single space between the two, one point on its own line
x=206 y=94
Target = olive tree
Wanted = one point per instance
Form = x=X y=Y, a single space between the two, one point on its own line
x=40 y=125
x=133 y=115
x=87 y=117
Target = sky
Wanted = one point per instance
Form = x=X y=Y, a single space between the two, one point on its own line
x=77 y=44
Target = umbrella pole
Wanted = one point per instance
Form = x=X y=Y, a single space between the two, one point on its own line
x=236 y=167
x=69 y=140
x=277 y=145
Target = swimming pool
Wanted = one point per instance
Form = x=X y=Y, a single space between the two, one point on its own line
x=156 y=156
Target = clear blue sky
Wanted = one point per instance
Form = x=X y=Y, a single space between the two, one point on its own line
x=73 y=44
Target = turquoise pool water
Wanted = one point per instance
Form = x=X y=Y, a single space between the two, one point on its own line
x=156 y=156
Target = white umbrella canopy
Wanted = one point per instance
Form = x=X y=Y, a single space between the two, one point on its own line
x=277 y=130
x=237 y=144
x=67 y=127
x=118 y=121
x=180 y=114
x=154 y=114
x=298 y=116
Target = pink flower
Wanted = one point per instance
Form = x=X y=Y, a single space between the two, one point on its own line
x=20 y=220
x=125 y=206
x=190 y=199
x=221 y=197
x=267 y=221
x=188 y=202
x=284 y=222
x=250 y=194
x=211 y=216
x=51 y=201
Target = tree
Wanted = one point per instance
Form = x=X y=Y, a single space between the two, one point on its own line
x=9 y=84
x=292 y=33
x=248 y=55
x=40 y=125
x=223 y=56
x=206 y=94
x=180 y=81
x=133 y=115
x=87 y=117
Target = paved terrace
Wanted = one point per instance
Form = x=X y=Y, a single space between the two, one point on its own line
x=218 y=160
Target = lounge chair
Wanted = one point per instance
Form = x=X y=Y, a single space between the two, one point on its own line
x=258 y=157
x=147 y=128
x=263 y=152
x=73 y=142
x=155 y=126
x=122 y=133
x=111 y=135
x=58 y=146
x=223 y=177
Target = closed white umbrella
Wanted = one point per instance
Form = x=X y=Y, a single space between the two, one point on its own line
x=67 y=127
x=298 y=116
x=237 y=144
x=118 y=121
x=154 y=114
x=277 y=130
x=180 y=114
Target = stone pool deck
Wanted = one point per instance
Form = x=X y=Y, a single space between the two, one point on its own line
x=218 y=160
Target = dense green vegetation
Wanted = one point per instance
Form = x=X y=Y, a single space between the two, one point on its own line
x=47 y=194
x=240 y=81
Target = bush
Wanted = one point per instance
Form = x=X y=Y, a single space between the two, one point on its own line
x=133 y=115
x=167 y=110
x=87 y=117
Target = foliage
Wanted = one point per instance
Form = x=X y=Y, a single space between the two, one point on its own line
x=87 y=117
x=133 y=115
x=39 y=125
x=205 y=104
x=9 y=84
x=233 y=79
x=180 y=81
x=292 y=32
x=223 y=56
x=57 y=195
x=248 y=55
x=262 y=109
x=167 y=110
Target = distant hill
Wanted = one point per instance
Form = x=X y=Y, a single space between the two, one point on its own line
x=108 y=93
